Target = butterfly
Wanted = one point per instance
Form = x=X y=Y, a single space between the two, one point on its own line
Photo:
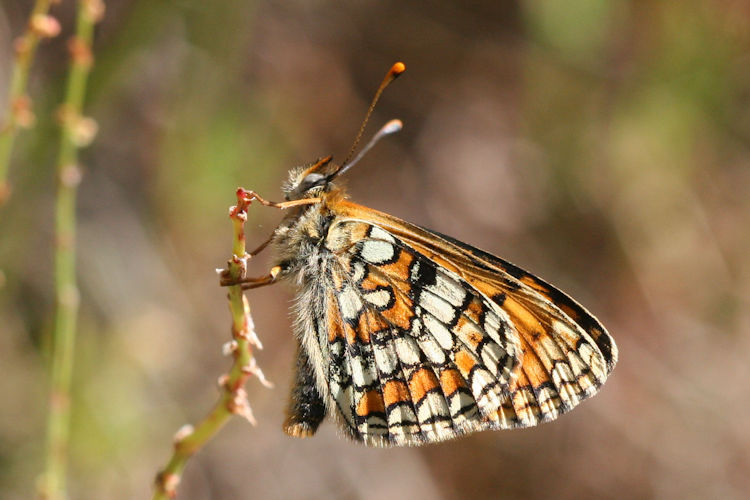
x=406 y=336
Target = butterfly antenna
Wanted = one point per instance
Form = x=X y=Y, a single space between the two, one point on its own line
x=392 y=74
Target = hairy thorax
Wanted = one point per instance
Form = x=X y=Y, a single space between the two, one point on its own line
x=306 y=240
x=307 y=250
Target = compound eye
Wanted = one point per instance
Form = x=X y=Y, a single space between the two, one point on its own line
x=312 y=180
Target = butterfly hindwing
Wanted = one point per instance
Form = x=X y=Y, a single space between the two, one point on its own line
x=416 y=353
x=430 y=338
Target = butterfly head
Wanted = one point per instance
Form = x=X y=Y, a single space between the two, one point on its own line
x=311 y=181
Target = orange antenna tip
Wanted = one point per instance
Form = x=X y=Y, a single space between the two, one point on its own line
x=394 y=72
x=397 y=69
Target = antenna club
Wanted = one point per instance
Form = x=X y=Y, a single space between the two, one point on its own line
x=392 y=126
x=397 y=69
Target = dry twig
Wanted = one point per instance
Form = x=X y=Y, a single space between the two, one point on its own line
x=233 y=399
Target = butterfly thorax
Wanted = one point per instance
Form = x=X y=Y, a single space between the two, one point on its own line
x=299 y=239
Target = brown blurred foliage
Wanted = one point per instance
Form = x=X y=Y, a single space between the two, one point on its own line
x=601 y=144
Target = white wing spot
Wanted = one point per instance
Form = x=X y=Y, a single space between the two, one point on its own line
x=493 y=325
x=416 y=325
x=561 y=373
x=379 y=298
x=377 y=251
x=494 y=357
x=337 y=348
x=343 y=396
x=358 y=272
x=480 y=380
x=407 y=350
x=349 y=303
x=459 y=400
x=448 y=289
x=385 y=359
x=380 y=234
x=549 y=401
x=443 y=336
x=591 y=357
x=432 y=405
x=432 y=350
x=436 y=306
x=362 y=374
x=397 y=416
x=414 y=273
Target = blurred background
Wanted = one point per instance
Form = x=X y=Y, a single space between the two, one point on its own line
x=603 y=145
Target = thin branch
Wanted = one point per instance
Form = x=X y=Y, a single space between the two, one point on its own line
x=76 y=132
x=19 y=113
x=233 y=399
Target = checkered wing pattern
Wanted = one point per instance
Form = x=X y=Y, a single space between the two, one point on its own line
x=416 y=353
x=422 y=344
x=566 y=353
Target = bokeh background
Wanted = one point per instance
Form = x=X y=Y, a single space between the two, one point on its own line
x=602 y=144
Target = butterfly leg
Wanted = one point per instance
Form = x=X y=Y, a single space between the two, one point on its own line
x=250 y=283
x=306 y=408
x=253 y=196
x=268 y=279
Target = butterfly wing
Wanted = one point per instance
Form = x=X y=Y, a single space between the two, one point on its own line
x=567 y=353
x=499 y=268
x=423 y=338
x=415 y=353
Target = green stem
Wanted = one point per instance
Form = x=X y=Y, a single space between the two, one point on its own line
x=53 y=484
x=18 y=104
x=233 y=399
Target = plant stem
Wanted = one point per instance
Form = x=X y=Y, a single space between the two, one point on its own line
x=75 y=133
x=19 y=113
x=233 y=398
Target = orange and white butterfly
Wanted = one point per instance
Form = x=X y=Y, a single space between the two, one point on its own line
x=407 y=336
